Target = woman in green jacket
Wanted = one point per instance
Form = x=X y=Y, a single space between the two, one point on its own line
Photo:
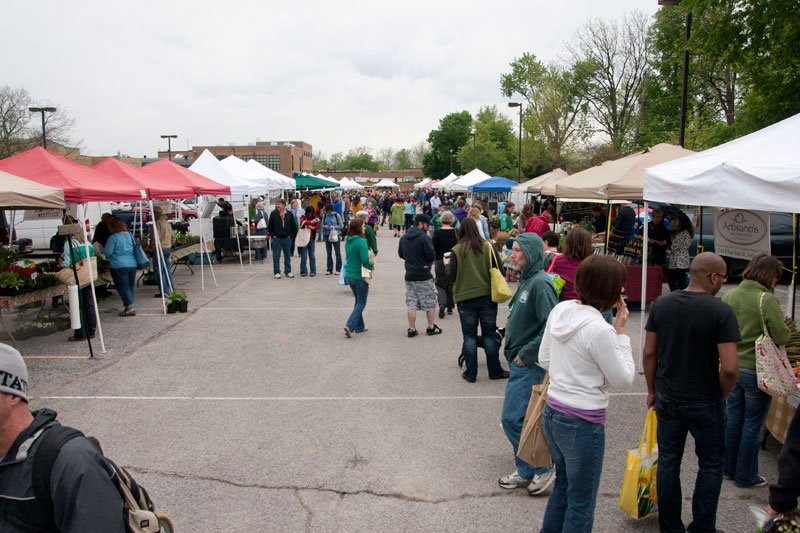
x=397 y=216
x=88 y=316
x=747 y=404
x=357 y=255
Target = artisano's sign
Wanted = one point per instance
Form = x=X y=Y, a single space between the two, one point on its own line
x=741 y=233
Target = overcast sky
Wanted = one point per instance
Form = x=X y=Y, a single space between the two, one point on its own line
x=334 y=74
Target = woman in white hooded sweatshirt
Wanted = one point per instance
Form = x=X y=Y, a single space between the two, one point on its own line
x=585 y=356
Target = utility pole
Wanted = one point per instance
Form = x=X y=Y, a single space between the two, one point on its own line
x=169 y=144
x=43 y=110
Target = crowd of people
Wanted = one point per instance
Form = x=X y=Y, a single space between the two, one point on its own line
x=699 y=350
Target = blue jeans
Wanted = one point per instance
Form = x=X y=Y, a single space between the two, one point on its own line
x=335 y=246
x=408 y=221
x=515 y=403
x=166 y=272
x=261 y=253
x=360 y=290
x=281 y=244
x=308 y=251
x=705 y=420
x=577 y=448
x=747 y=411
x=472 y=312
x=124 y=281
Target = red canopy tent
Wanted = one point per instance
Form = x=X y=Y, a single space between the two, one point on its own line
x=80 y=184
x=154 y=187
x=167 y=172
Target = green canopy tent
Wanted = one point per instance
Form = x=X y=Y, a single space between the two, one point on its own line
x=310 y=182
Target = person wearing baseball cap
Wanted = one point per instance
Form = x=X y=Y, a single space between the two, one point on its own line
x=83 y=494
x=416 y=249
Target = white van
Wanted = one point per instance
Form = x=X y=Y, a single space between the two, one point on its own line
x=41 y=225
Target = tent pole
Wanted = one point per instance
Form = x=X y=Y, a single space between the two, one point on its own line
x=646 y=226
x=249 y=252
x=700 y=247
x=239 y=244
x=91 y=276
x=608 y=226
x=11 y=229
x=794 y=263
x=157 y=253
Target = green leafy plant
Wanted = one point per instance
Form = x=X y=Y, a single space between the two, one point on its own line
x=176 y=296
x=8 y=255
x=11 y=280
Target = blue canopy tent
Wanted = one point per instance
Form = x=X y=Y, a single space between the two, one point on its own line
x=495 y=184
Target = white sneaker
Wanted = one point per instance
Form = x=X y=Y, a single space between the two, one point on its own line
x=513 y=481
x=289 y=275
x=277 y=276
x=542 y=482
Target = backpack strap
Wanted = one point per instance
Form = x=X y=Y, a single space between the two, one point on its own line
x=46 y=454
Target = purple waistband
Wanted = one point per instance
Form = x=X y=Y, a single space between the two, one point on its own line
x=595 y=416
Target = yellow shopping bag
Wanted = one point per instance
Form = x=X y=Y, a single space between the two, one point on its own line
x=639 y=497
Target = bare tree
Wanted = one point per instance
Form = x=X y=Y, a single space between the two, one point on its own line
x=20 y=130
x=418 y=152
x=14 y=118
x=386 y=158
x=614 y=58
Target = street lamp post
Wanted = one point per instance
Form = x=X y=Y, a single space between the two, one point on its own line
x=472 y=134
x=519 y=155
x=684 y=94
x=169 y=144
x=43 y=110
x=451 y=161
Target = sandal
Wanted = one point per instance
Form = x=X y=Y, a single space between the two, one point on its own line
x=433 y=330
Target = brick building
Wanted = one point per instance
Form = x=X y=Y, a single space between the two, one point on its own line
x=286 y=157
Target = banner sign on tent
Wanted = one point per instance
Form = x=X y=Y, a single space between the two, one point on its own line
x=741 y=233
x=43 y=214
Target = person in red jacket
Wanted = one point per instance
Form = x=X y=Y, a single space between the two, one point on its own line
x=540 y=224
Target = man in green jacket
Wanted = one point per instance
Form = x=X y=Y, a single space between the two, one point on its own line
x=535 y=298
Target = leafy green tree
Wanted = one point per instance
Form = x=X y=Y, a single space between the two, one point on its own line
x=402 y=159
x=453 y=133
x=494 y=148
x=557 y=108
x=360 y=158
x=336 y=161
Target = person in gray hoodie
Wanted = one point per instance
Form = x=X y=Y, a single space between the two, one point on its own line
x=535 y=298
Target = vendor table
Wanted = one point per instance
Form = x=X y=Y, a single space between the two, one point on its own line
x=780 y=415
x=633 y=285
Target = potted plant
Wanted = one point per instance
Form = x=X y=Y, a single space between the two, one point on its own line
x=177 y=302
x=10 y=282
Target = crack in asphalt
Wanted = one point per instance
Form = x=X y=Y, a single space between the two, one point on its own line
x=306 y=508
x=142 y=344
x=296 y=488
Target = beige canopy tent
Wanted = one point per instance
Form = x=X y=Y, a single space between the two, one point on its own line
x=620 y=179
x=544 y=184
x=16 y=192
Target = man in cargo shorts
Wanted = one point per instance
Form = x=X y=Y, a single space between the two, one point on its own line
x=416 y=249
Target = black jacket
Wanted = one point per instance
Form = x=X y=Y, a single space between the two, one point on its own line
x=84 y=496
x=416 y=248
x=286 y=228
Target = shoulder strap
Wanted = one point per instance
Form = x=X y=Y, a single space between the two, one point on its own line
x=761 y=309
x=47 y=452
x=553 y=259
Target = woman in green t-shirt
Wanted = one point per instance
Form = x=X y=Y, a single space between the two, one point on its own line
x=357 y=255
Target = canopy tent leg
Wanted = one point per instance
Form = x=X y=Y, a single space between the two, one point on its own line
x=608 y=227
x=700 y=247
x=239 y=246
x=91 y=276
x=794 y=264
x=11 y=228
x=247 y=214
x=640 y=359
x=157 y=242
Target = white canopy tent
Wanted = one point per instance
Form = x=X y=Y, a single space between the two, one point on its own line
x=275 y=180
x=246 y=173
x=333 y=181
x=209 y=166
x=441 y=184
x=473 y=177
x=422 y=184
x=347 y=183
x=758 y=171
x=385 y=182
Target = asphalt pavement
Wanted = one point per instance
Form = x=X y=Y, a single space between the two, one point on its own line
x=253 y=412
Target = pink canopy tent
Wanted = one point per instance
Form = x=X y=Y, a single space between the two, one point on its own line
x=80 y=184
x=166 y=172
x=154 y=187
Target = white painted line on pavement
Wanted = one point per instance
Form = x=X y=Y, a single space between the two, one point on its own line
x=293 y=398
x=350 y=308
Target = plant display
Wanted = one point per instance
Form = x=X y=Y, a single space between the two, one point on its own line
x=176 y=296
x=10 y=280
x=8 y=255
x=182 y=238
